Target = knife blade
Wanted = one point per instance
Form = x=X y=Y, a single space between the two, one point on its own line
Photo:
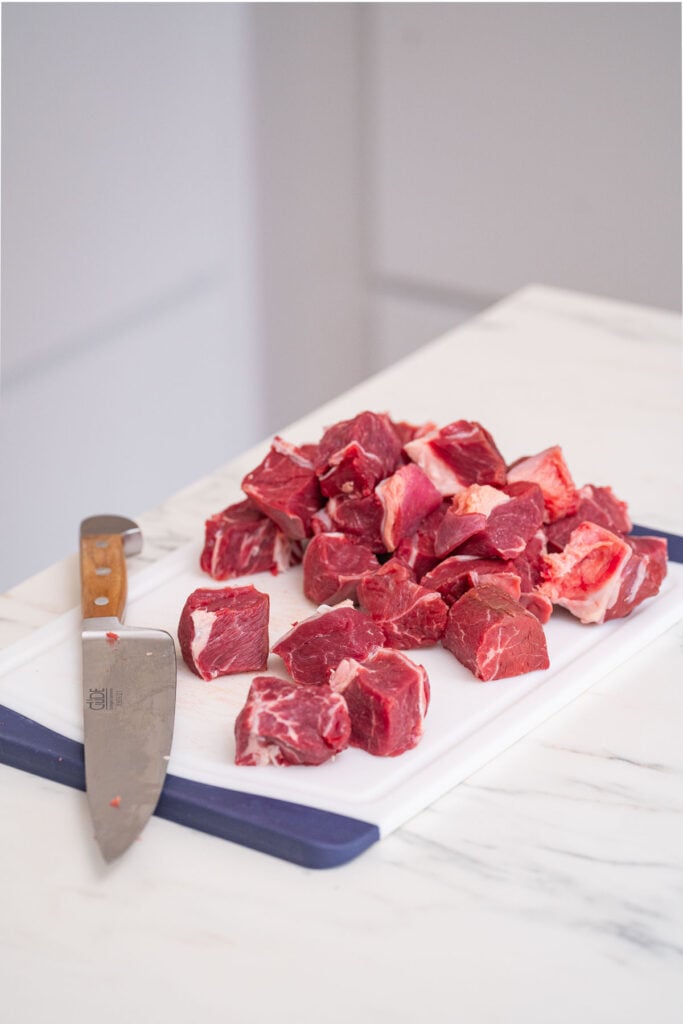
x=129 y=689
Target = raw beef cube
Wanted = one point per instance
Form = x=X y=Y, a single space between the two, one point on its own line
x=510 y=582
x=387 y=697
x=549 y=470
x=452 y=577
x=282 y=723
x=354 y=455
x=458 y=455
x=509 y=525
x=529 y=563
x=410 y=615
x=407 y=497
x=284 y=486
x=493 y=636
x=224 y=631
x=597 y=505
x=333 y=566
x=410 y=432
x=417 y=550
x=313 y=648
x=600 y=576
x=538 y=604
x=241 y=540
x=360 y=518
x=321 y=522
x=467 y=516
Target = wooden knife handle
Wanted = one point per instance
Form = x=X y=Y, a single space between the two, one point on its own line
x=103 y=576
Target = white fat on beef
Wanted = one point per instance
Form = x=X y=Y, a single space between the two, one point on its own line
x=292 y=452
x=202 y=622
x=420 y=451
x=478 y=498
x=585 y=578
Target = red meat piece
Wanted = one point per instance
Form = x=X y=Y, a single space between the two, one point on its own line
x=538 y=604
x=458 y=455
x=406 y=497
x=549 y=470
x=333 y=566
x=528 y=564
x=409 y=431
x=510 y=582
x=354 y=455
x=360 y=518
x=224 y=631
x=417 y=550
x=493 y=636
x=410 y=615
x=284 y=486
x=597 y=505
x=285 y=724
x=452 y=577
x=387 y=697
x=509 y=525
x=600 y=576
x=313 y=648
x=242 y=540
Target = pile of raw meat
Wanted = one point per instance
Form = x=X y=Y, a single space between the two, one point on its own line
x=410 y=536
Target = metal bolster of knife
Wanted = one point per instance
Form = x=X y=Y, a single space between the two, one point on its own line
x=105 y=541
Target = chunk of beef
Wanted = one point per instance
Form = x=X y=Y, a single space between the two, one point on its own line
x=549 y=470
x=597 y=505
x=360 y=518
x=241 y=540
x=406 y=497
x=410 y=615
x=313 y=648
x=417 y=550
x=282 y=723
x=458 y=455
x=354 y=455
x=410 y=431
x=509 y=525
x=224 y=631
x=493 y=636
x=452 y=577
x=600 y=576
x=333 y=566
x=284 y=486
x=387 y=696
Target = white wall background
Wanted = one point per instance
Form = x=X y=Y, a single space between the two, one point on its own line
x=216 y=216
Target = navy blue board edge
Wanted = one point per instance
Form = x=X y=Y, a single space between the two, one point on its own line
x=293 y=832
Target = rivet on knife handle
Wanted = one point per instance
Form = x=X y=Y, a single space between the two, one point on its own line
x=104 y=543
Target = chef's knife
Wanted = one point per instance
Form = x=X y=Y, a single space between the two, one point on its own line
x=129 y=687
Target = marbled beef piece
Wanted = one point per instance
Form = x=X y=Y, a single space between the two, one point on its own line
x=598 y=505
x=284 y=724
x=600 y=576
x=285 y=488
x=407 y=497
x=512 y=516
x=354 y=455
x=549 y=470
x=458 y=455
x=529 y=563
x=410 y=615
x=333 y=566
x=313 y=648
x=467 y=516
x=241 y=540
x=417 y=550
x=387 y=695
x=493 y=636
x=452 y=577
x=224 y=631
x=360 y=518
x=410 y=431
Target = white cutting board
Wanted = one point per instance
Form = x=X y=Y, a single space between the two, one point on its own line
x=468 y=722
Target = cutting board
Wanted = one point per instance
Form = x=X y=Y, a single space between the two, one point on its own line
x=324 y=816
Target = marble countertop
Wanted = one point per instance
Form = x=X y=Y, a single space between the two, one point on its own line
x=547 y=887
